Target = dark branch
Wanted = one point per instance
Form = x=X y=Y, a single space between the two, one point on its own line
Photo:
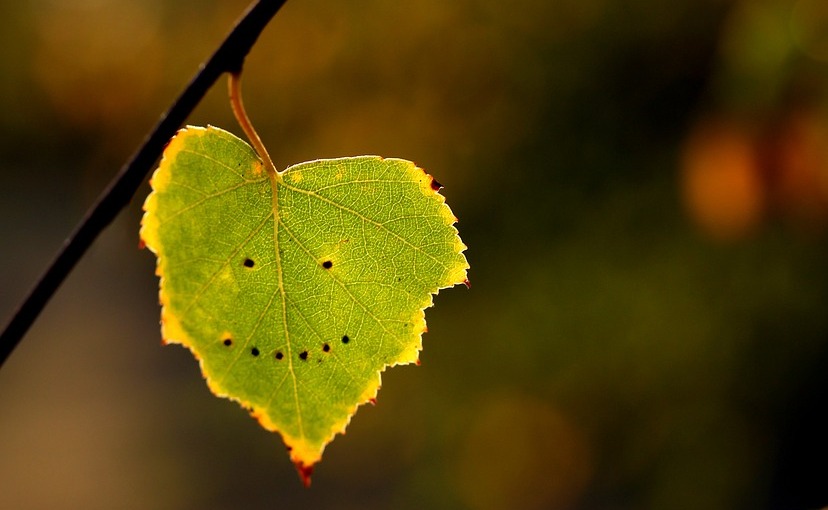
x=229 y=57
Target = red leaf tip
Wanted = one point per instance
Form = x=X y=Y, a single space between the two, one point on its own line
x=305 y=473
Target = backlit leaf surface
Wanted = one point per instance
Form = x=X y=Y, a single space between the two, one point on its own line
x=295 y=290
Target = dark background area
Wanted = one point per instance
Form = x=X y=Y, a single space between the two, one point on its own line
x=643 y=187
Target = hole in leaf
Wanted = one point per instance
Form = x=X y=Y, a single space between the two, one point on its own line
x=326 y=348
x=345 y=339
x=279 y=355
x=304 y=355
x=228 y=342
x=254 y=351
x=249 y=263
x=327 y=264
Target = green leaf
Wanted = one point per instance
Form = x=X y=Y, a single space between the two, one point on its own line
x=296 y=289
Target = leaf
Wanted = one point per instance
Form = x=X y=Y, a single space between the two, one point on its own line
x=296 y=290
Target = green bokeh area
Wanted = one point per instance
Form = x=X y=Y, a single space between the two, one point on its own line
x=296 y=290
x=641 y=185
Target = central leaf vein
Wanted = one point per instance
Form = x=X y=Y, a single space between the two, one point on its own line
x=279 y=270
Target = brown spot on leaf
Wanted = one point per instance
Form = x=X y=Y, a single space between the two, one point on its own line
x=467 y=283
x=304 y=355
x=327 y=264
x=279 y=355
x=436 y=186
x=254 y=351
x=249 y=263
x=326 y=348
x=345 y=339
x=372 y=401
x=228 y=342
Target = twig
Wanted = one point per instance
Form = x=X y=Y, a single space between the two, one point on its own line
x=229 y=57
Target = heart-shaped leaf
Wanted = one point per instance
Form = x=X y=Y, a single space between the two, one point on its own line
x=296 y=289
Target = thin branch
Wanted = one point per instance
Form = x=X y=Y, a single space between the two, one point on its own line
x=229 y=57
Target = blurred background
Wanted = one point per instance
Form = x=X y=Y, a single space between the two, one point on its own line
x=643 y=186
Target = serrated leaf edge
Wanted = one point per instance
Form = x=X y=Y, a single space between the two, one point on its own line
x=303 y=456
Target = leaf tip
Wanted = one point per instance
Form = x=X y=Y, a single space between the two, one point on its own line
x=305 y=472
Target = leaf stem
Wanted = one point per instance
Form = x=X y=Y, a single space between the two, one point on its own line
x=234 y=87
x=228 y=57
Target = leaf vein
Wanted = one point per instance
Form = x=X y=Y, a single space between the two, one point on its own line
x=342 y=286
x=364 y=218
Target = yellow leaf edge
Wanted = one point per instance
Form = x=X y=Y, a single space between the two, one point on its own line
x=303 y=455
